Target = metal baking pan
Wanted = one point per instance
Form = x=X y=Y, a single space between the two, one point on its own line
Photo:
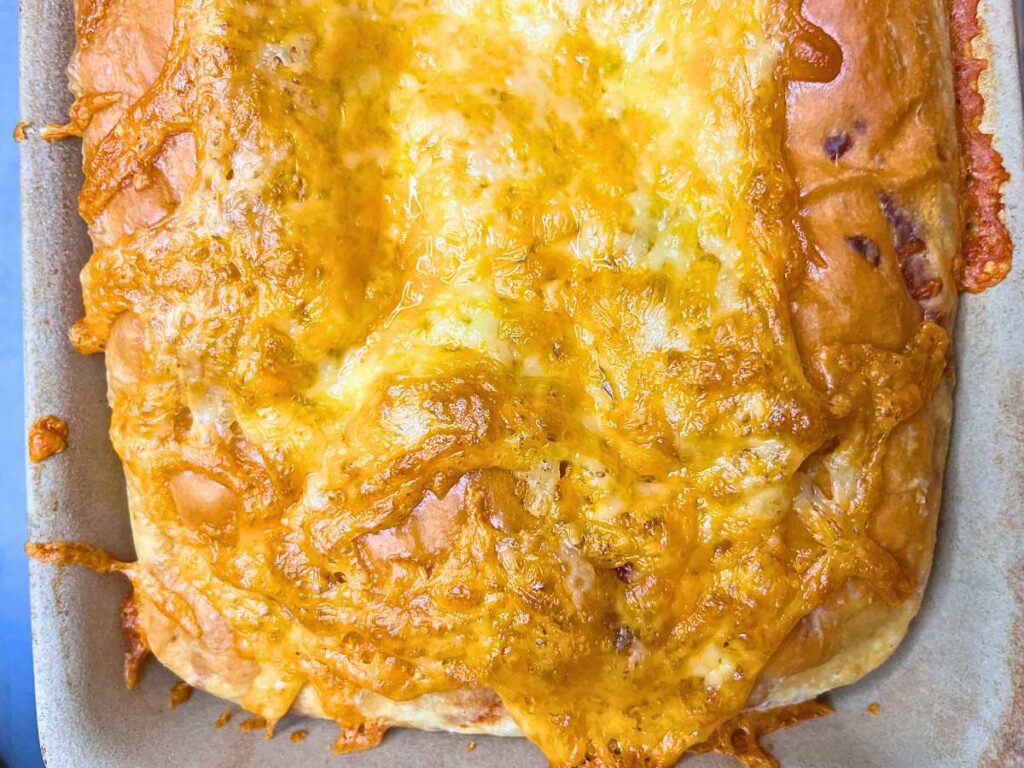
x=952 y=696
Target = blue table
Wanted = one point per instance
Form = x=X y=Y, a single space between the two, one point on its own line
x=19 y=746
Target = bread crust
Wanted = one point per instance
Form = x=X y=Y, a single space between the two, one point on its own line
x=874 y=156
x=896 y=177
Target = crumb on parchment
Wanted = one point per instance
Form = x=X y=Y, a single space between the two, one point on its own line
x=224 y=719
x=47 y=436
x=180 y=693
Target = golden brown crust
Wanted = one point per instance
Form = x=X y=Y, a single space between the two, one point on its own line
x=873 y=157
x=839 y=643
x=855 y=631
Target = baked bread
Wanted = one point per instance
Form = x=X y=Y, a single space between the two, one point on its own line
x=573 y=370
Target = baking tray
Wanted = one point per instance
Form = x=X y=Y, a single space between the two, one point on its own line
x=953 y=694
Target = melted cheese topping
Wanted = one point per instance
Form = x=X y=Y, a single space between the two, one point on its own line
x=465 y=360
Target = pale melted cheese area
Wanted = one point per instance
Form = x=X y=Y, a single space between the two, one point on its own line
x=471 y=334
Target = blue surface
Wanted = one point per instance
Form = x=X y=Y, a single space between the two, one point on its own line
x=19 y=745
